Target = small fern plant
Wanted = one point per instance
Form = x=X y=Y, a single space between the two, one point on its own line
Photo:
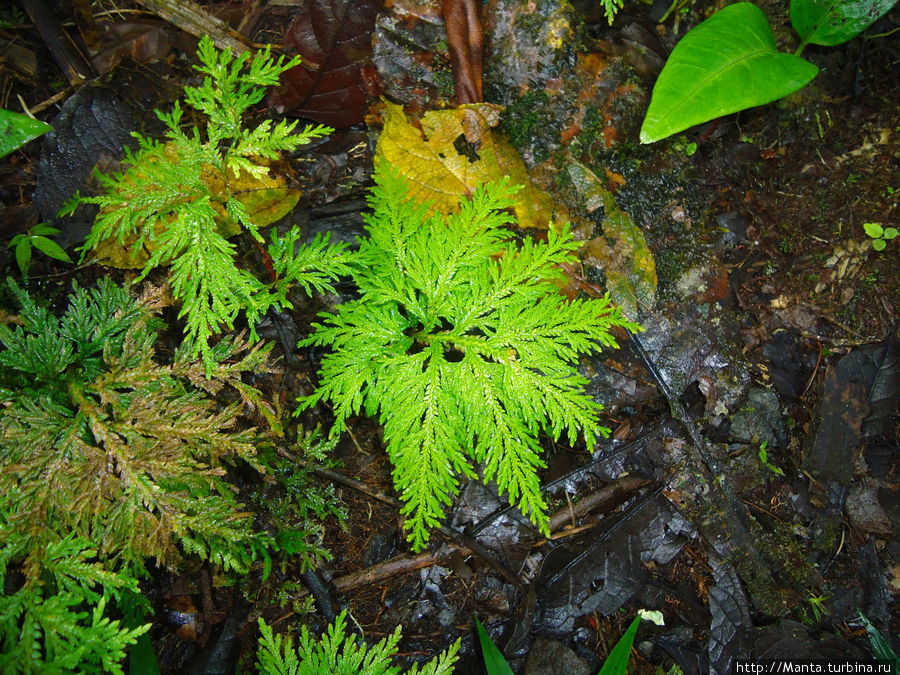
x=464 y=348
x=111 y=456
x=99 y=439
x=336 y=654
x=172 y=205
x=54 y=617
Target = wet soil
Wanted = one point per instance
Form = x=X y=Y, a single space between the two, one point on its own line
x=767 y=285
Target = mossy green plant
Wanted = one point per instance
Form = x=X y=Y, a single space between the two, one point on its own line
x=113 y=456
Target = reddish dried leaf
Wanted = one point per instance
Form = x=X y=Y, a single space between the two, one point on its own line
x=466 y=41
x=334 y=39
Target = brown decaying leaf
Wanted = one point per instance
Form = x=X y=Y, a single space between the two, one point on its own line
x=334 y=40
x=140 y=40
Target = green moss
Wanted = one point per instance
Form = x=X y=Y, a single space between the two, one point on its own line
x=526 y=122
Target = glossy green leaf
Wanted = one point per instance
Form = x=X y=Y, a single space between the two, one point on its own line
x=874 y=230
x=617 y=661
x=141 y=657
x=880 y=646
x=50 y=248
x=834 y=22
x=16 y=130
x=23 y=254
x=727 y=63
x=44 y=229
x=494 y=662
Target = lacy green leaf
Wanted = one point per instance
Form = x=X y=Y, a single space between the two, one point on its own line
x=337 y=654
x=177 y=204
x=463 y=347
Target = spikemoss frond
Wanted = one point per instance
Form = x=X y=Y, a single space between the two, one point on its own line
x=173 y=202
x=463 y=347
x=338 y=654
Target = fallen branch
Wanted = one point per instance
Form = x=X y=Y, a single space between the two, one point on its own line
x=192 y=18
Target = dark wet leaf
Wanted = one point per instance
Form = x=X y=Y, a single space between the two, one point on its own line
x=790 y=639
x=884 y=396
x=552 y=656
x=691 y=659
x=334 y=39
x=730 y=617
x=93 y=121
x=786 y=364
x=605 y=572
x=865 y=381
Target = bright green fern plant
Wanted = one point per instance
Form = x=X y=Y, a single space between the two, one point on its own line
x=336 y=654
x=53 y=613
x=176 y=201
x=463 y=346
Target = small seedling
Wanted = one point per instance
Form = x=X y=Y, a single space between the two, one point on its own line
x=817 y=604
x=37 y=238
x=764 y=460
x=880 y=235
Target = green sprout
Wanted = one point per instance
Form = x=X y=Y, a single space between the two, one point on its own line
x=764 y=460
x=880 y=235
x=36 y=237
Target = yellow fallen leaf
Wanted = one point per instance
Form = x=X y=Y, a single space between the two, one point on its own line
x=622 y=251
x=446 y=154
x=266 y=199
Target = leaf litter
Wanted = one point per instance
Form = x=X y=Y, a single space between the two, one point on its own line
x=719 y=316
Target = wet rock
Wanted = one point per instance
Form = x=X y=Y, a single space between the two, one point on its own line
x=733 y=224
x=789 y=639
x=695 y=341
x=865 y=510
x=549 y=656
x=529 y=44
x=759 y=420
x=410 y=53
